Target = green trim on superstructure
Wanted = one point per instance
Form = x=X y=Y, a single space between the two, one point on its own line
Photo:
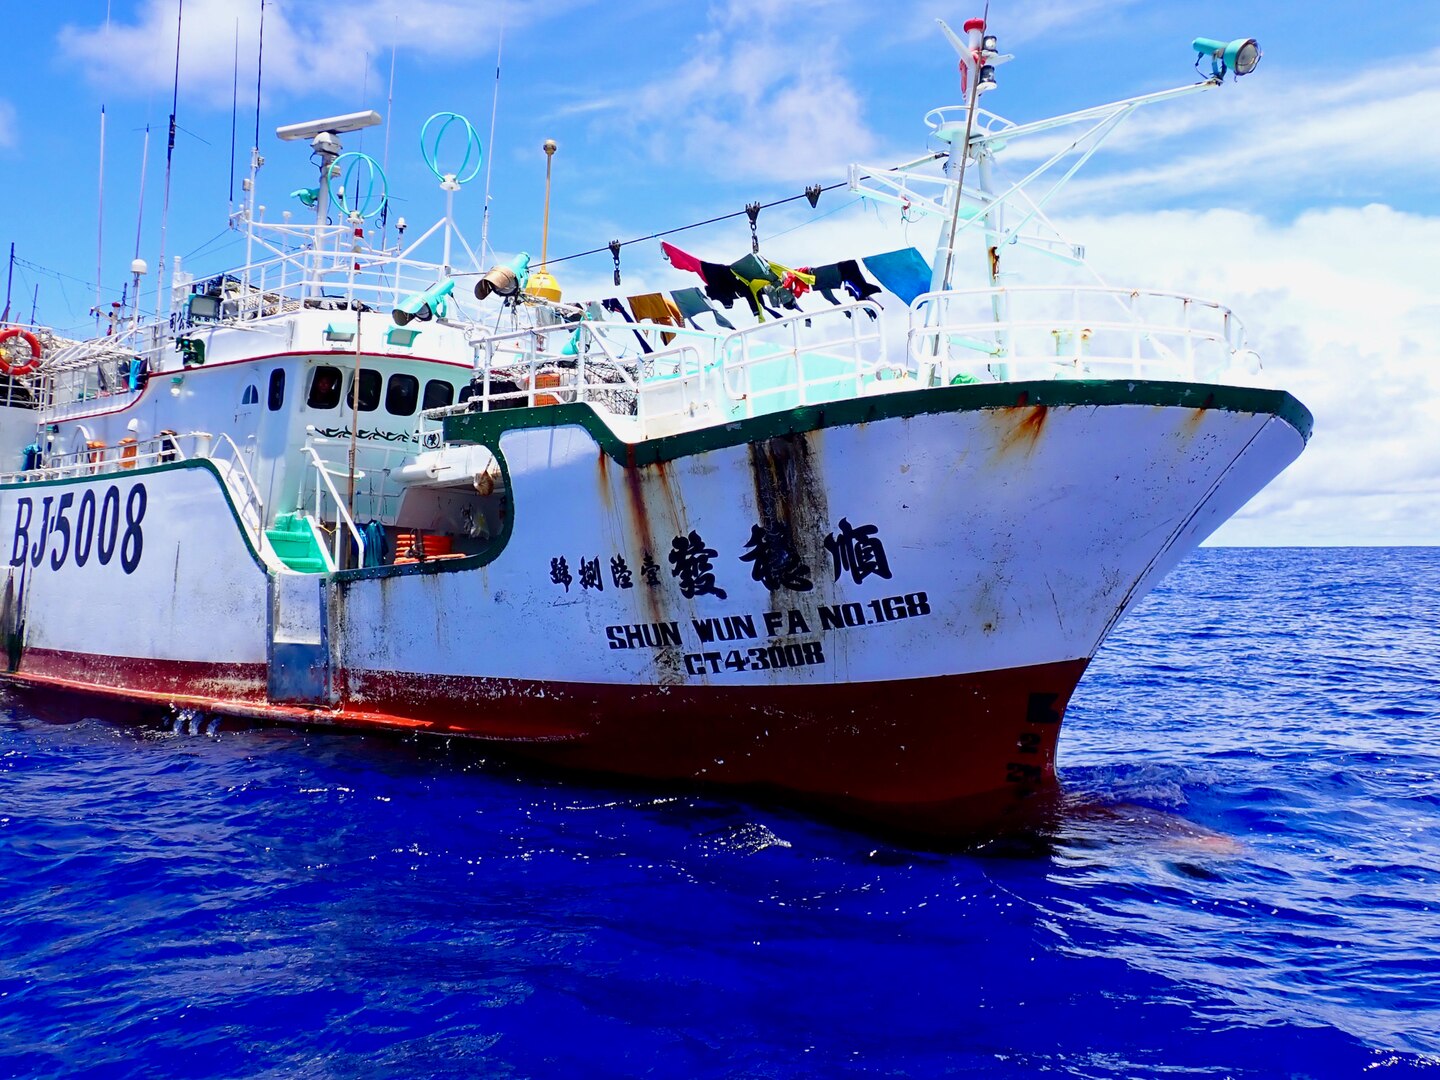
x=486 y=428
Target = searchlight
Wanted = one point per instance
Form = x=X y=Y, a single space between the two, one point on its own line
x=505 y=280
x=430 y=304
x=1240 y=56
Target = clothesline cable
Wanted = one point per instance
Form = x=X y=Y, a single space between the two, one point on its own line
x=708 y=221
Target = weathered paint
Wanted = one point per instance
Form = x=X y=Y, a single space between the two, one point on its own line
x=1002 y=574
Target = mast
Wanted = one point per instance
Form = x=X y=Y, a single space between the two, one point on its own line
x=100 y=198
x=9 y=281
x=162 y=295
x=234 y=111
x=490 y=146
x=255 y=159
x=385 y=153
x=137 y=264
x=100 y=222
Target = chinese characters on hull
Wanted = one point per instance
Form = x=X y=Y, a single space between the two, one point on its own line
x=773 y=559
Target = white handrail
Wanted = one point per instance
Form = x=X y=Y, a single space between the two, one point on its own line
x=738 y=356
x=1052 y=327
x=342 y=515
x=249 y=489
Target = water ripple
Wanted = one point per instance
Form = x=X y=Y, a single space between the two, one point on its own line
x=1243 y=879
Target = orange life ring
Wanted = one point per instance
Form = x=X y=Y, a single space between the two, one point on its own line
x=31 y=340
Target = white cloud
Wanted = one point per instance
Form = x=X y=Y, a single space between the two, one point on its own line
x=308 y=47
x=760 y=94
x=1034 y=20
x=8 y=132
x=1334 y=137
x=1340 y=304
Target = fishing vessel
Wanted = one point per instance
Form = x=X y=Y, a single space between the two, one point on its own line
x=852 y=543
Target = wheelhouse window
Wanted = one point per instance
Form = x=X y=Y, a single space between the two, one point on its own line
x=324 y=387
x=369 y=390
x=438 y=394
x=277 y=389
x=401 y=393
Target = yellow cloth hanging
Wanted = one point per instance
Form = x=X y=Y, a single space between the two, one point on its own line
x=658 y=308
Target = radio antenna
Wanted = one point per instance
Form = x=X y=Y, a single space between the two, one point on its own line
x=385 y=153
x=100 y=199
x=490 y=146
x=234 y=112
x=162 y=303
x=100 y=222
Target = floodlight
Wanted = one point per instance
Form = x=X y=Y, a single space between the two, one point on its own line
x=427 y=305
x=506 y=279
x=1240 y=56
x=204 y=307
x=335 y=125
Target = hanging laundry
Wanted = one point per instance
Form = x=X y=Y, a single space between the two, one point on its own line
x=905 y=272
x=681 y=260
x=844 y=275
x=789 y=286
x=755 y=274
x=613 y=304
x=797 y=281
x=658 y=308
x=692 y=303
x=721 y=284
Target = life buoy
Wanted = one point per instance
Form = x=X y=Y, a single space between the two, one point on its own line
x=6 y=368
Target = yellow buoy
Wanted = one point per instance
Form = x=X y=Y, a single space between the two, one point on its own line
x=543 y=284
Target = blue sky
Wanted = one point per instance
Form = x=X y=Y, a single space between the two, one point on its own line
x=1303 y=196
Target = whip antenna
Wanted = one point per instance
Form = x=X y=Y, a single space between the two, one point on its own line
x=162 y=303
x=490 y=145
x=234 y=112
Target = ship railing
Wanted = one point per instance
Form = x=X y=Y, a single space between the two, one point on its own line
x=99 y=375
x=659 y=376
x=164 y=448
x=804 y=359
x=678 y=377
x=320 y=482
x=1074 y=332
x=550 y=365
x=377 y=496
x=29 y=391
x=291 y=280
x=222 y=451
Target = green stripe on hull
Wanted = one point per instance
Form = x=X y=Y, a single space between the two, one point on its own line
x=486 y=428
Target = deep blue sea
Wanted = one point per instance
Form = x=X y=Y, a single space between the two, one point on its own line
x=1244 y=881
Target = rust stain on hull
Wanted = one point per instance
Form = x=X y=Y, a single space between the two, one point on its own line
x=1024 y=434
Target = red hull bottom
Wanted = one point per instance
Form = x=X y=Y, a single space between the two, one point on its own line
x=954 y=755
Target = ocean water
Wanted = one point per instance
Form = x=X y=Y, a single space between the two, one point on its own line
x=1243 y=880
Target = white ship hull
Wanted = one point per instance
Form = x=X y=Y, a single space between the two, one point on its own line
x=956 y=557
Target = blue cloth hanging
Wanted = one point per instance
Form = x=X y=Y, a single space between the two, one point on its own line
x=905 y=272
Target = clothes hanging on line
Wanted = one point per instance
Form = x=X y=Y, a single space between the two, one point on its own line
x=843 y=275
x=755 y=275
x=613 y=304
x=657 y=308
x=905 y=272
x=692 y=303
x=681 y=260
x=721 y=284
